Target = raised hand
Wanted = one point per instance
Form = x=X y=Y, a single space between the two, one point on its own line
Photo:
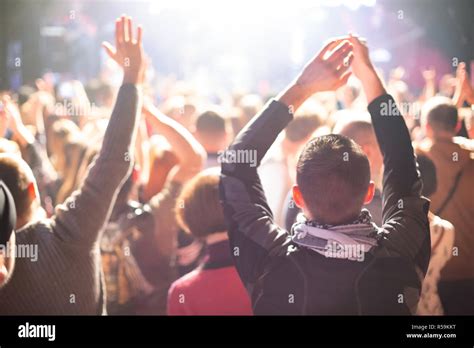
x=329 y=69
x=12 y=112
x=361 y=64
x=15 y=122
x=128 y=51
x=463 y=91
x=364 y=70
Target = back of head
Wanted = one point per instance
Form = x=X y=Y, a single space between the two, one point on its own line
x=359 y=130
x=17 y=176
x=199 y=210
x=441 y=115
x=333 y=175
x=211 y=123
x=212 y=132
x=428 y=175
x=301 y=127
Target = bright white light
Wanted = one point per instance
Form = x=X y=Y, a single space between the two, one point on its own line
x=249 y=6
x=381 y=55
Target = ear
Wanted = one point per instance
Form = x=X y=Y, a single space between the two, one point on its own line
x=367 y=149
x=428 y=130
x=298 y=197
x=370 y=193
x=32 y=194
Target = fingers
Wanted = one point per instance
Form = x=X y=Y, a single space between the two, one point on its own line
x=122 y=30
x=139 y=34
x=356 y=40
x=128 y=30
x=109 y=49
x=340 y=53
x=346 y=64
x=330 y=45
x=118 y=32
x=461 y=67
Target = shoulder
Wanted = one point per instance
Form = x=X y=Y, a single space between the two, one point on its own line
x=186 y=282
x=34 y=231
x=464 y=143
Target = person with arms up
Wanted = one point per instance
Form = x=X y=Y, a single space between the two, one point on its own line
x=66 y=277
x=336 y=261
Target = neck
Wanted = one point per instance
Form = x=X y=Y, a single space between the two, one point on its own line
x=443 y=137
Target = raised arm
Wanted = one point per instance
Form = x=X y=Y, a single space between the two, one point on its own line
x=84 y=213
x=191 y=157
x=35 y=155
x=404 y=210
x=463 y=91
x=252 y=232
x=190 y=153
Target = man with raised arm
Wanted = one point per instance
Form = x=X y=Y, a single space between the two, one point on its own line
x=65 y=275
x=336 y=261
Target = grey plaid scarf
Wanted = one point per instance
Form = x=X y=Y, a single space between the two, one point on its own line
x=349 y=241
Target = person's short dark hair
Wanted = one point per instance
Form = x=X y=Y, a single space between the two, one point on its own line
x=198 y=208
x=302 y=127
x=428 y=174
x=333 y=175
x=441 y=114
x=211 y=122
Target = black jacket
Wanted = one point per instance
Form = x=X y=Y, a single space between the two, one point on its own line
x=283 y=278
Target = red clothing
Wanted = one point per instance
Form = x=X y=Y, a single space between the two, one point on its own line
x=210 y=290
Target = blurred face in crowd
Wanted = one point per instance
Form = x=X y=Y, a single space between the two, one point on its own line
x=63 y=132
x=447 y=85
